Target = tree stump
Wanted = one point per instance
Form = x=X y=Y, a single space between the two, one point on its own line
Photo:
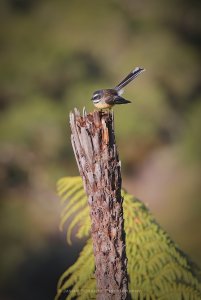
x=94 y=146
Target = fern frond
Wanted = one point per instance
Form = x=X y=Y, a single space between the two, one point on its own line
x=77 y=197
x=71 y=189
x=84 y=228
x=76 y=278
x=71 y=210
x=153 y=259
x=88 y=290
x=156 y=267
x=76 y=221
x=67 y=186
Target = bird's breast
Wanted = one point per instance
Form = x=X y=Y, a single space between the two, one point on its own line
x=102 y=105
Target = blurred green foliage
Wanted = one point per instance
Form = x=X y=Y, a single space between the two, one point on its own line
x=53 y=55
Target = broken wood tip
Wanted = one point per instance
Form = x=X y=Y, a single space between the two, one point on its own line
x=95 y=116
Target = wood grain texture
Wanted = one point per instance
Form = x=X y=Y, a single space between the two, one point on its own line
x=94 y=146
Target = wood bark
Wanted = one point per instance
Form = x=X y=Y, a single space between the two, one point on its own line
x=94 y=146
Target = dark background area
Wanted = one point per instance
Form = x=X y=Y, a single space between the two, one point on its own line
x=53 y=55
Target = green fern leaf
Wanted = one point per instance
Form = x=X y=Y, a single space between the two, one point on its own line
x=156 y=267
x=76 y=221
x=79 y=276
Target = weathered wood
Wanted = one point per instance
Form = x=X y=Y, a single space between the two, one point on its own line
x=93 y=142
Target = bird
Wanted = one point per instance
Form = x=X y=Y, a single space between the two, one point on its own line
x=107 y=98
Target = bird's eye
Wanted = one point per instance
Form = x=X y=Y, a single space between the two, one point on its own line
x=96 y=96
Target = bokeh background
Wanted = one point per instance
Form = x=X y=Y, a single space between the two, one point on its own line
x=53 y=55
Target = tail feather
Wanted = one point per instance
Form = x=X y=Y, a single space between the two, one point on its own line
x=131 y=76
x=120 y=100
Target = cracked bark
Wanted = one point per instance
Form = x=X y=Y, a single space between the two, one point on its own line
x=94 y=146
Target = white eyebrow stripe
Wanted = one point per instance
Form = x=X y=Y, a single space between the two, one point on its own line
x=95 y=95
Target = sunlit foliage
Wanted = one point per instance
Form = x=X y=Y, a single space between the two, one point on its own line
x=157 y=267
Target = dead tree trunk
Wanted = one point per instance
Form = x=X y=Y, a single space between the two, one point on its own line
x=93 y=142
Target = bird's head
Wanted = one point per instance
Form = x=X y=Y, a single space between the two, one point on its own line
x=97 y=96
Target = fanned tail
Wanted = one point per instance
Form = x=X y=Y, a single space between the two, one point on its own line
x=131 y=76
